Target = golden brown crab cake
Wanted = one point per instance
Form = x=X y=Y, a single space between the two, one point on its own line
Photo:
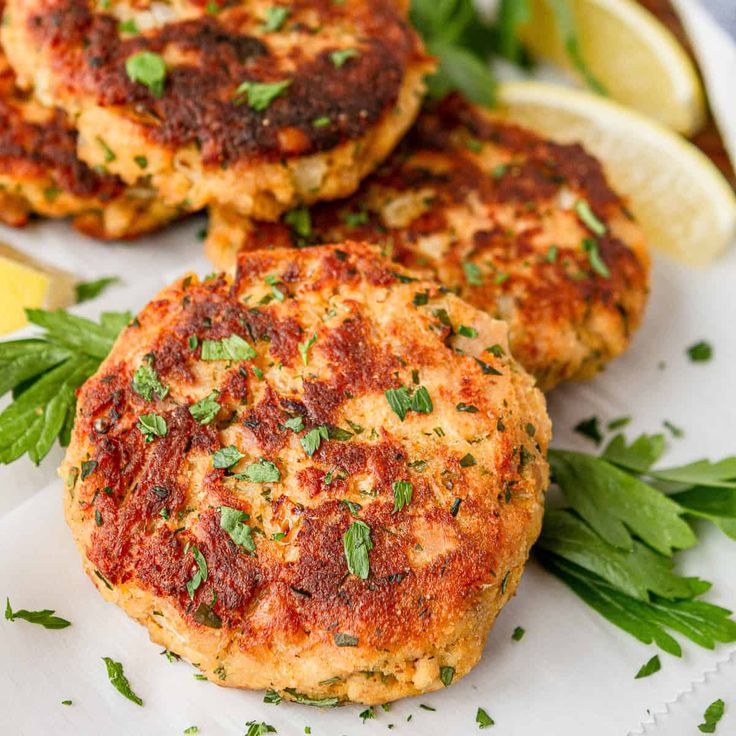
x=41 y=174
x=254 y=103
x=523 y=228
x=305 y=479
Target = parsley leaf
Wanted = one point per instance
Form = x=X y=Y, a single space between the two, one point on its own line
x=200 y=574
x=226 y=457
x=313 y=439
x=275 y=18
x=649 y=668
x=86 y=290
x=518 y=633
x=259 y=95
x=446 y=675
x=119 y=681
x=152 y=425
x=615 y=503
x=700 y=352
x=43 y=618
x=711 y=717
x=263 y=471
x=703 y=623
x=259 y=729
x=590 y=428
x=229 y=348
x=233 y=522
x=304 y=348
x=149 y=69
x=357 y=544
x=483 y=719
x=206 y=409
x=399 y=400
x=302 y=699
x=146 y=382
x=403 y=492
x=341 y=56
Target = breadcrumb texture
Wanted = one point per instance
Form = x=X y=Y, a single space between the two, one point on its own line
x=354 y=72
x=41 y=174
x=345 y=326
x=493 y=211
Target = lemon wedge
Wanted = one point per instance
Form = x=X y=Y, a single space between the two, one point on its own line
x=684 y=205
x=29 y=284
x=636 y=59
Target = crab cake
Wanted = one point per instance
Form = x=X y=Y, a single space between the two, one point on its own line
x=40 y=173
x=523 y=228
x=321 y=477
x=254 y=103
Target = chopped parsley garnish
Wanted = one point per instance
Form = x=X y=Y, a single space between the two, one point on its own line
x=403 y=492
x=263 y=471
x=551 y=256
x=589 y=219
x=43 y=618
x=483 y=719
x=128 y=26
x=469 y=408
x=259 y=729
x=313 y=439
x=446 y=675
x=86 y=290
x=66 y=702
x=146 y=382
x=272 y=280
x=496 y=350
x=152 y=425
x=149 y=69
x=590 y=428
x=321 y=122
x=345 y=640
x=402 y=401
x=259 y=95
x=229 y=348
x=455 y=506
x=367 y=714
x=341 y=56
x=421 y=298
x=590 y=246
x=711 y=717
x=226 y=457
x=473 y=273
x=652 y=666
x=466 y=331
x=207 y=617
x=206 y=409
x=302 y=699
x=467 y=461
x=357 y=544
x=675 y=431
x=295 y=424
x=618 y=423
x=518 y=633
x=119 y=681
x=275 y=18
x=200 y=574
x=700 y=352
x=106 y=150
x=304 y=348
x=300 y=221
x=233 y=522
x=272 y=697
x=87 y=467
x=191 y=730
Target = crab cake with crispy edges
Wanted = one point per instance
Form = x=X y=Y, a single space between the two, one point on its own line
x=257 y=104
x=524 y=228
x=41 y=174
x=321 y=477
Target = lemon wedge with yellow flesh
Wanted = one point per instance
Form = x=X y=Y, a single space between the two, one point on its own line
x=29 y=284
x=636 y=59
x=684 y=205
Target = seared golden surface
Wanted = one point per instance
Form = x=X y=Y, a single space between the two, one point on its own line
x=523 y=228
x=41 y=174
x=265 y=598
x=201 y=107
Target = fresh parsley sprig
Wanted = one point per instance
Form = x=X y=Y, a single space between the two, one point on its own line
x=614 y=544
x=44 y=372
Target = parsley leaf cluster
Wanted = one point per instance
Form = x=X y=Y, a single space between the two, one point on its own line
x=615 y=542
x=43 y=374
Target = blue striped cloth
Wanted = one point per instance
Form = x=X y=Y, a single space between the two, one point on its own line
x=724 y=11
